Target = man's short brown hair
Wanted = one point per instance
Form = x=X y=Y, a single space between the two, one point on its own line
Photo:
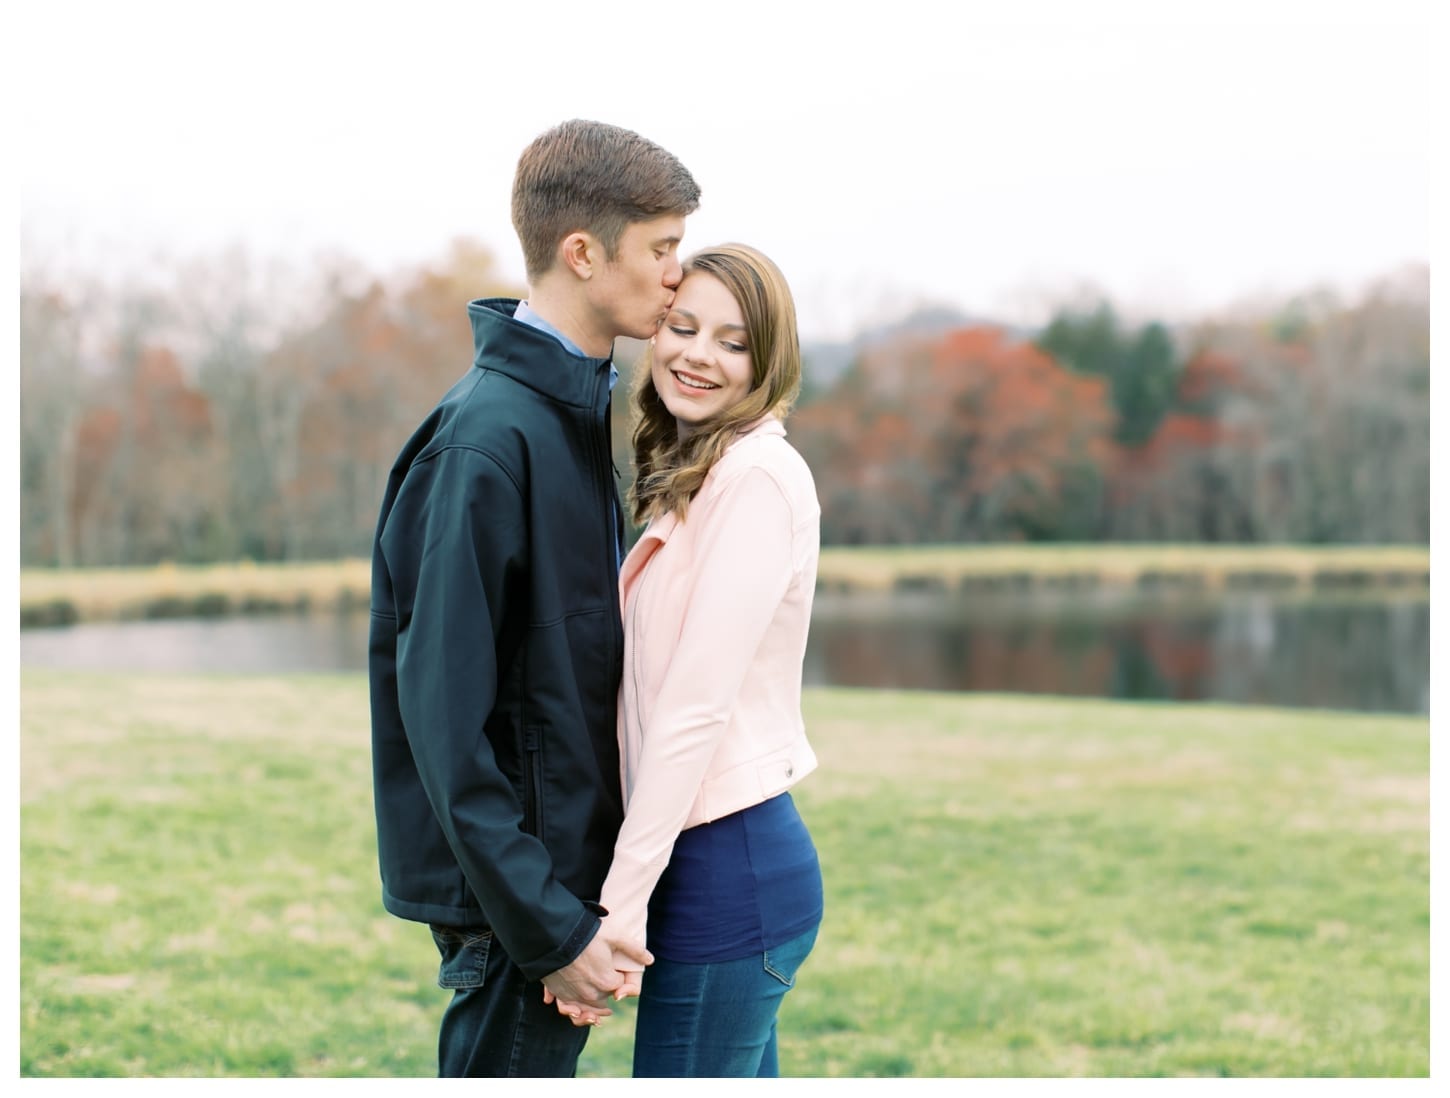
x=597 y=178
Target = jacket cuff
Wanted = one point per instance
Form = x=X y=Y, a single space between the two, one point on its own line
x=569 y=949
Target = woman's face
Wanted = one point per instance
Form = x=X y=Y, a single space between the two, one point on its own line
x=702 y=363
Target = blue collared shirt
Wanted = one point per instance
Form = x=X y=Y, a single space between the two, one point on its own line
x=534 y=320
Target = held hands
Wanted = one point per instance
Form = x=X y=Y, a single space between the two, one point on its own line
x=581 y=1014
x=582 y=990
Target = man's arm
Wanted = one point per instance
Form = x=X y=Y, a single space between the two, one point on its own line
x=455 y=543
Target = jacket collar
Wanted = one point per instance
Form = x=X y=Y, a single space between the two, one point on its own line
x=533 y=357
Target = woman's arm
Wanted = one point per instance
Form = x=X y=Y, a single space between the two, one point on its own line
x=743 y=569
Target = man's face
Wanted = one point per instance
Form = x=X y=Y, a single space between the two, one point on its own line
x=634 y=291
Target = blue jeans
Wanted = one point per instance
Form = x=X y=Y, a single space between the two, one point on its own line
x=497 y=1023
x=715 y=1020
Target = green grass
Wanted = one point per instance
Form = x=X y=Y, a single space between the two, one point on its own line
x=1015 y=887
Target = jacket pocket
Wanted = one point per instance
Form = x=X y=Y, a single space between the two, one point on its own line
x=776 y=776
x=533 y=783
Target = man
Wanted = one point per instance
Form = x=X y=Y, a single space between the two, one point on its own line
x=495 y=647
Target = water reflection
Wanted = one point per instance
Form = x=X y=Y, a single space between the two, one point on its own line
x=1361 y=654
x=1259 y=649
x=264 y=644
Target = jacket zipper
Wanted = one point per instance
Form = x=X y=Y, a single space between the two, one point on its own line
x=614 y=514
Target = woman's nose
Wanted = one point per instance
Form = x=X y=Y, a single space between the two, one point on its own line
x=698 y=349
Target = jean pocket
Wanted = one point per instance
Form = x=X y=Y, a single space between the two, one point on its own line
x=785 y=960
x=464 y=955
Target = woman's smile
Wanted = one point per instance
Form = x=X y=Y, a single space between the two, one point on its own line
x=690 y=381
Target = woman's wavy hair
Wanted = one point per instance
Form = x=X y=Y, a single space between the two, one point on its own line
x=668 y=471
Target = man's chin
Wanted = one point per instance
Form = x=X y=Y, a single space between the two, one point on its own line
x=643 y=331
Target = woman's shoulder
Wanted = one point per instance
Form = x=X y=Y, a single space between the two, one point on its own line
x=765 y=449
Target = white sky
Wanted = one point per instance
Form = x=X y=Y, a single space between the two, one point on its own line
x=994 y=157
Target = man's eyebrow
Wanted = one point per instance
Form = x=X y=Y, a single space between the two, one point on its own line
x=668 y=240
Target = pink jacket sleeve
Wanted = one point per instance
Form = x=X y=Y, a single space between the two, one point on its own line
x=742 y=573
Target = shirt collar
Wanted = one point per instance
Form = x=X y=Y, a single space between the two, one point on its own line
x=534 y=320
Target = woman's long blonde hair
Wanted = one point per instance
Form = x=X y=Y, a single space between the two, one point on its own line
x=668 y=471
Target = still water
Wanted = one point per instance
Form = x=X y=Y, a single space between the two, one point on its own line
x=1364 y=654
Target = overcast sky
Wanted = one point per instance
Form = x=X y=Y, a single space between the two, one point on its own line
x=994 y=157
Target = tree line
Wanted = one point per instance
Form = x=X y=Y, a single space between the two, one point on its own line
x=224 y=411
x=1304 y=421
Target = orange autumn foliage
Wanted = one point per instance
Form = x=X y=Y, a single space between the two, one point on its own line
x=972 y=434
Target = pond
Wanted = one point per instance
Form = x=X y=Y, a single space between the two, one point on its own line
x=1360 y=653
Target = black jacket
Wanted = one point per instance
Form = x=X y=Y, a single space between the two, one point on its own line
x=495 y=648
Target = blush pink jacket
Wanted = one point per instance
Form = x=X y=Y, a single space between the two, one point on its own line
x=710 y=703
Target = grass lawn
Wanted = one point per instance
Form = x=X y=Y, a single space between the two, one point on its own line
x=1015 y=886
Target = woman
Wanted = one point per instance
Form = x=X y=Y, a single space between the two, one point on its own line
x=717 y=600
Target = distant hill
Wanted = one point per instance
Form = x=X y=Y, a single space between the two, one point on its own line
x=824 y=362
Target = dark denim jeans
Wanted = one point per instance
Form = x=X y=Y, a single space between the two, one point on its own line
x=497 y=1023
x=715 y=1020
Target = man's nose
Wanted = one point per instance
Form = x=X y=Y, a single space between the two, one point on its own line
x=674 y=273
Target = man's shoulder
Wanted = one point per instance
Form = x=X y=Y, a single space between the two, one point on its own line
x=497 y=389
x=517 y=427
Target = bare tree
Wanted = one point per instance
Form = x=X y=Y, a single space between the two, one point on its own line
x=50 y=400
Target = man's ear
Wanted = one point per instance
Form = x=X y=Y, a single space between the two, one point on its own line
x=581 y=253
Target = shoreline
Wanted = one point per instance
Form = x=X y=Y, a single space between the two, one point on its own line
x=51 y=597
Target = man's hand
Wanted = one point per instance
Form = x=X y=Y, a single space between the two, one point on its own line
x=582 y=988
x=587 y=980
